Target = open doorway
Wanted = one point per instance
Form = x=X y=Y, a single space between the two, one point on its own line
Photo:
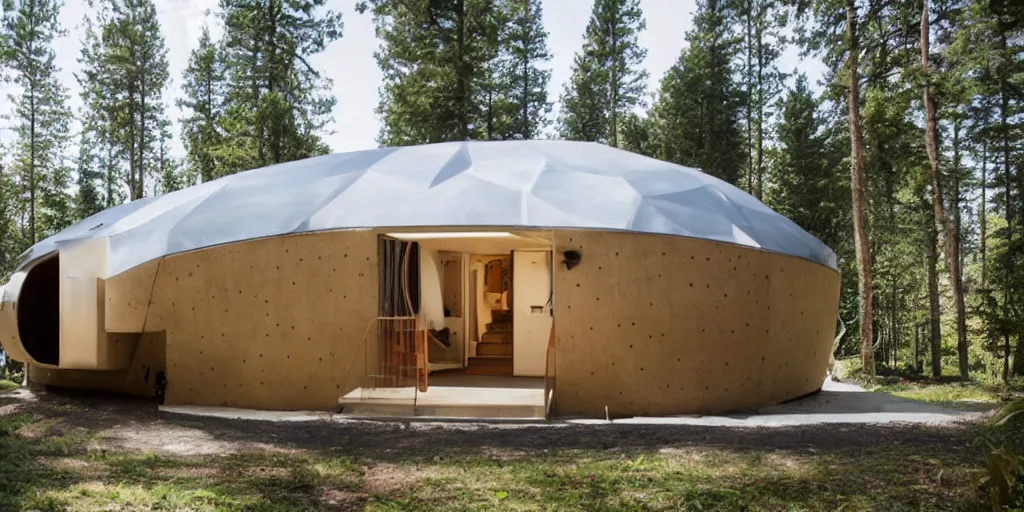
x=492 y=344
x=485 y=300
x=480 y=311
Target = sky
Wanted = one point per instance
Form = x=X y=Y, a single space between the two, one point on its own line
x=349 y=61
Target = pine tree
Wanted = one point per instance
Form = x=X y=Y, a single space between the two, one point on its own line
x=40 y=114
x=277 y=104
x=101 y=103
x=134 y=49
x=583 y=115
x=606 y=73
x=443 y=70
x=804 y=186
x=526 y=82
x=88 y=200
x=203 y=90
x=838 y=38
x=762 y=80
x=950 y=231
x=699 y=103
x=169 y=168
x=12 y=243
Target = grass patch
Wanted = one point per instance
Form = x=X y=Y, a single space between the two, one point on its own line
x=963 y=395
x=48 y=465
x=6 y=385
x=942 y=394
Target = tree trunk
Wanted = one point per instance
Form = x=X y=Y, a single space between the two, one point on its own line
x=524 y=21
x=614 y=87
x=760 y=109
x=142 y=141
x=32 y=166
x=462 y=87
x=860 y=227
x=982 y=214
x=750 y=88
x=935 y=327
x=950 y=235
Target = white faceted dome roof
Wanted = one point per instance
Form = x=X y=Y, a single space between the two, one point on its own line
x=518 y=184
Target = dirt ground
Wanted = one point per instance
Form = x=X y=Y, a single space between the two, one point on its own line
x=129 y=424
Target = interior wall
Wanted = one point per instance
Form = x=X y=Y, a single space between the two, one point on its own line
x=531 y=326
x=656 y=325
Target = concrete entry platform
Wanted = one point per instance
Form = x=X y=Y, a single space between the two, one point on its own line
x=453 y=395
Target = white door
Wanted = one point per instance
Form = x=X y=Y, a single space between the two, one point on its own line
x=531 y=312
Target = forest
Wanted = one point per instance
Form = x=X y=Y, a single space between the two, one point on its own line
x=906 y=159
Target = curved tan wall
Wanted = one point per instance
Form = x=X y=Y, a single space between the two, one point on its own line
x=273 y=323
x=645 y=324
x=656 y=325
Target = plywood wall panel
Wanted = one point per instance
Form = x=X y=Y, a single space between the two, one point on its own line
x=651 y=325
x=276 y=323
x=126 y=298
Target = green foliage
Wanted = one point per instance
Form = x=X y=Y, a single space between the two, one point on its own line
x=1003 y=442
x=276 y=104
x=460 y=70
x=88 y=200
x=607 y=81
x=136 y=59
x=698 y=109
x=525 y=43
x=204 y=96
x=39 y=172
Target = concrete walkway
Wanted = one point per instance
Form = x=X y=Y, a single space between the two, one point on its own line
x=836 y=403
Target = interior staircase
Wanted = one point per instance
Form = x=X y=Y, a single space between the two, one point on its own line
x=494 y=351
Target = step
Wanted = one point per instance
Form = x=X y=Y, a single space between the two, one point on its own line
x=494 y=349
x=489 y=365
x=478 y=411
x=499 y=327
x=496 y=337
